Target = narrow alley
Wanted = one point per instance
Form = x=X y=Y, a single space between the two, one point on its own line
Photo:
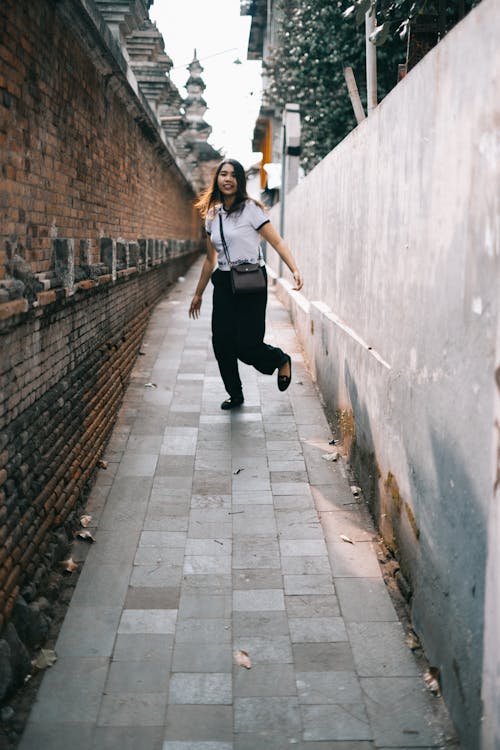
x=225 y=532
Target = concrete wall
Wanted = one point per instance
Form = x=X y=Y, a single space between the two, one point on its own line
x=397 y=234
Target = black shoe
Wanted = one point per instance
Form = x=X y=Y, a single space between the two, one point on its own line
x=285 y=380
x=231 y=402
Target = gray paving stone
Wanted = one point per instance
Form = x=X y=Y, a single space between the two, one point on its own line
x=173 y=745
x=137 y=465
x=200 y=688
x=207 y=564
x=335 y=495
x=144 y=597
x=143 y=647
x=157 y=574
x=138 y=676
x=211 y=657
x=317 y=629
x=308 y=584
x=364 y=600
x=132 y=710
x=200 y=723
x=260 y=623
x=258 y=578
x=258 y=600
x=380 y=650
x=127 y=738
x=334 y=722
x=323 y=657
x=78 y=683
x=104 y=585
x=218 y=581
x=255 y=497
x=262 y=649
x=88 y=631
x=202 y=606
x=203 y=630
x=57 y=736
x=312 y=606
x=114 y=547
x=268 y=714
x=302 y=547
x=148 y=621
x=167 y=539
x=299 y=524
x=352 y=523
x=258 y=552
x=273 y=680
x=174 y=465
x=306 y=565
x=253 y=520
x=293 y=502
x=354 y=560
x=320 y=688
x=158 y=555
x=143 y=444
x=403 y=714
x=290 y=488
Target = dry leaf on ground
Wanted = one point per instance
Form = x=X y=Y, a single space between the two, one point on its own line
x=242 y=659
x=85 y=521
x=69 y=565
x=431 y=679
x=356 y=491
x=346 y=539
x=46 y=658
x=412 y=641
x=102 y=464
x=86 y=536
x=150 y=385
x=331 y=456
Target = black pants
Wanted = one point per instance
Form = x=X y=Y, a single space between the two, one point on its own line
x=238 y=328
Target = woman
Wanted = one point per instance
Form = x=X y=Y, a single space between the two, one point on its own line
x=238 y=321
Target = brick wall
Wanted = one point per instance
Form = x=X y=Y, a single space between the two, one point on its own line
x=97 y=221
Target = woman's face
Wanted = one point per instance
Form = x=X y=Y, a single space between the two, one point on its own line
x=226 y=181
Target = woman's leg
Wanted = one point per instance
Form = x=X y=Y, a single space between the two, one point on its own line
x=224 y=333
x=251 y=349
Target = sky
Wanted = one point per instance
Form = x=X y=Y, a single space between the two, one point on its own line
x=220 y=35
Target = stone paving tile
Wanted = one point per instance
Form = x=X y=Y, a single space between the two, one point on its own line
x=317 y=688
x=336 y=722
x=354 y=560
x=144 y=597
x=132 y=709
x=308 y=584
x=312 y=605
x=317 y=629
x=260 y=623
x=200 y=723
x=274 y=714
x=380 y=650
x=138 y=676
x=364 y=600
x=211 y=657
x=102 y=585
x=273 y=680
x=327 y=656
x=258 y=600
x=88 y=631
x=148 y=621
x=143 y=647
x=257 y=552
x=126 y=738
x=205 y=606
x=262 y=650
x=57 y=736
x=78 y=683
x=204 y=688
x=257 y=578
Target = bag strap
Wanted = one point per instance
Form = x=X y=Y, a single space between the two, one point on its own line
x=226 y=252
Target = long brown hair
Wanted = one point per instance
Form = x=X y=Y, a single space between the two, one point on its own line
x=212 y=196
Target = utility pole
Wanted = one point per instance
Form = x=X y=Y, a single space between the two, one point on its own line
x=371 y=60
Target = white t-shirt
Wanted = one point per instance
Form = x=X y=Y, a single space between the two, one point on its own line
x=240 y=232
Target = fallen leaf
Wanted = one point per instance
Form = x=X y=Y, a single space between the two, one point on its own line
x=356 y=491
x=150 y=385
x=141 y=354
x=331 y=456
x=69 y=565
x=238 y=471
x=242 y=659
x=412 y=641
x=431 y=679
x=85 y=521
x=332 y=442
x=102 y=464
x=86 y=536
x=46 y=658
x=346 y=539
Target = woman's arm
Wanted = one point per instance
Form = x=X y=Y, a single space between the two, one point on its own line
x=206 y=272
x=269 y=233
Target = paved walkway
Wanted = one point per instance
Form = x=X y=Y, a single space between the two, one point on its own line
x=219 y=532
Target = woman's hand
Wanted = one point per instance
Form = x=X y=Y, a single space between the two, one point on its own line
x=194 y=309
x=298 y=280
